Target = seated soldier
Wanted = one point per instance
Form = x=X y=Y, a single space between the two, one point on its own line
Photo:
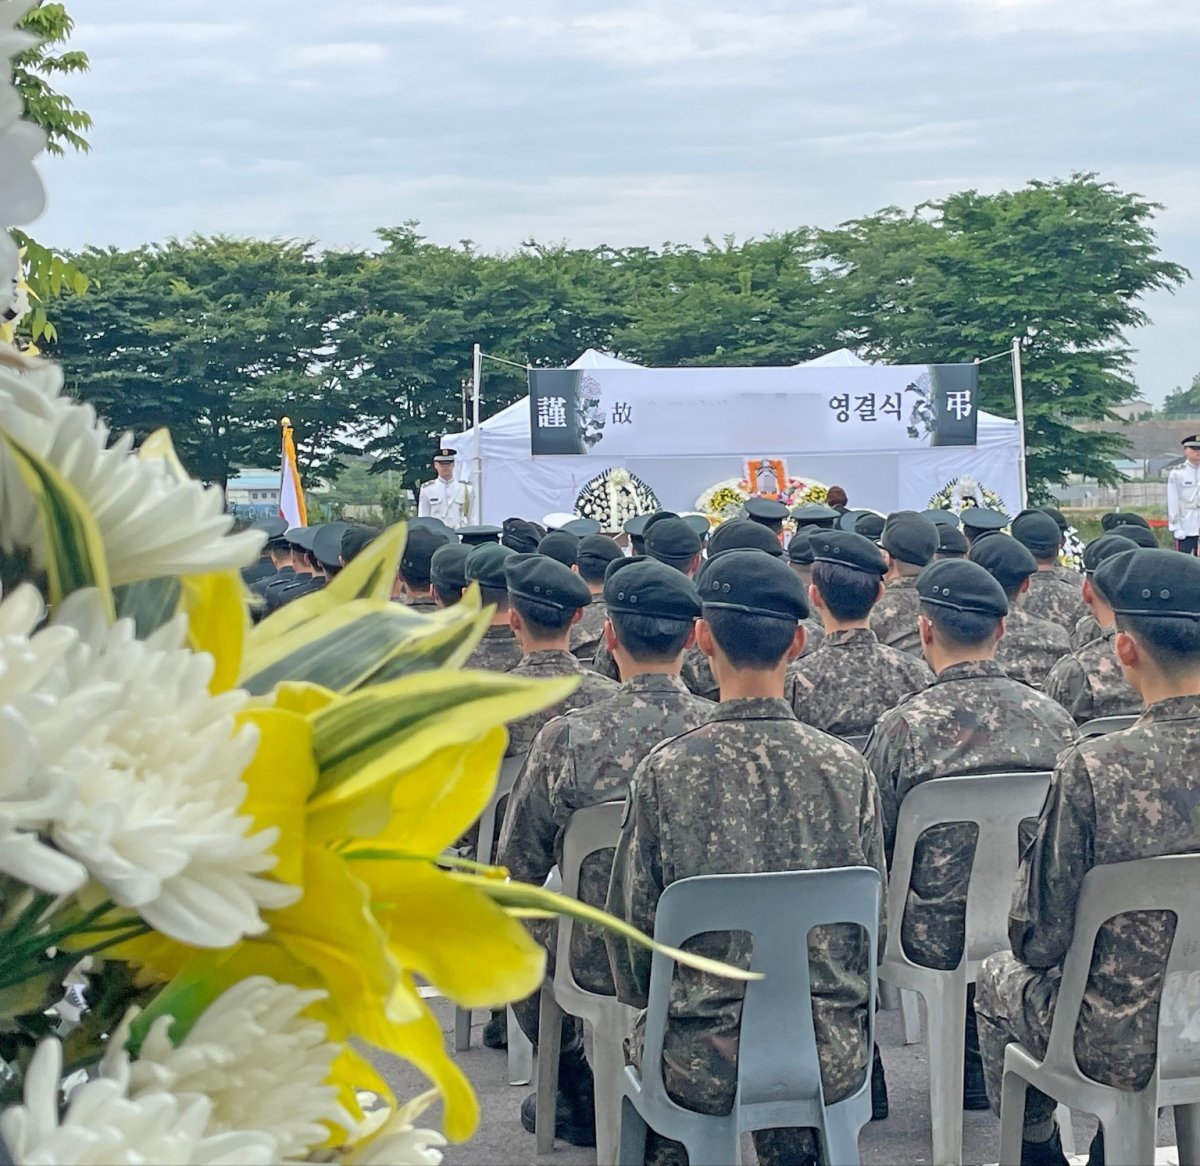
x=592 y=557
x=910 y=541
x=1088 y=628
x=415 y=582
x=587 y=757
x=972 y=719
x=753 y=789
x=1030 y=647
x=499 y=650
x=448 y=573
x=800 y=558
x=852 y=679
x=1089 y=682
x=1114 y=798
x=1048 y=597
x=545 y=599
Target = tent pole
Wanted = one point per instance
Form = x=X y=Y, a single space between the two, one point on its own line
x=1019 y=393
x=476 y=374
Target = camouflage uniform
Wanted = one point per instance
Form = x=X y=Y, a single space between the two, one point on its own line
x=851 y=681
x=498 y=651
x=894 y=617
x=589 y=631
x=1115 y=798
x=1089 y=683
x=1030 y=647
x=582 y=759
x=424 y=604
x=1085 y=631
x=554 y=662
x=1050 y=598
x=1068 y=575
x=751 y=790
x=972 y=719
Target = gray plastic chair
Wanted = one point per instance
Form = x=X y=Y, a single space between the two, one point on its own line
x=997 y=803
x=858 y=740
x=1098 y=726
x=520 y=1051
x=1127 y=1116
x=779 y=1073
x=589 y=830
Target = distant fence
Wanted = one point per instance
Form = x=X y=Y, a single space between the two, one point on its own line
x=1128 y=495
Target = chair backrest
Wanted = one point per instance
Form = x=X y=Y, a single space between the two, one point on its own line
x=857 y=740
x=1101 y=725
x=590 y=829
x=997 y=803
x=777 y=1057
x=1166 y=883
x=510 y=770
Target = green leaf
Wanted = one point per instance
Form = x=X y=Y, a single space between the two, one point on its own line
x=150 y=603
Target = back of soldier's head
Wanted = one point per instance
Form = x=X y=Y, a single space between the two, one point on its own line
x=652 y=608
x=1039 y=533
x=962 y=602
x=546 y=594
x=847 y=569
x=593 y=555
x=752 y=603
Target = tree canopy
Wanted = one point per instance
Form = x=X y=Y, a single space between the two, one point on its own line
x=1183 y=403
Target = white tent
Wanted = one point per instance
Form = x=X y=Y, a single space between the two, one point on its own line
x=516 y=483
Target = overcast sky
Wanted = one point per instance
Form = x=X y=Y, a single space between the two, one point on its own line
x=624 y=121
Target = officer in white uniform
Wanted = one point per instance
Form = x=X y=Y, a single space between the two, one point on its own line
x=445 y=497
x=1183 y=497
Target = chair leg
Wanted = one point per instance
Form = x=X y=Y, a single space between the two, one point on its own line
x=841 y=1135
x=889 y=996
x=945 y=1009
x=1066 y=1129
x=631 y=1145
x=520 y=1053
x=1012 y=1118
x=910 y=1016
x=1130 y=1136
x=1187 y=1134
x=549 y=1048
x=462 y=1029
x=608 y=1063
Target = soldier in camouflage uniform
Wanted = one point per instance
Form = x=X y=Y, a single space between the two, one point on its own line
x=545 y=599
x=1115 y=798
x=592 y=556
x=1086 y=629
x=448 y=573
x=587 y=757
x=498 y=651
x=910 y=541
x=800 y=557
x=416 y=567
x=851 y=679
x=972 y=719
x=751 y=790
x=1030 y=647
x=1048 y=596
x=1089 y=682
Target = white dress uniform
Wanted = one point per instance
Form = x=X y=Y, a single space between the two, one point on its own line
x=1183 y=501
x=450 y=501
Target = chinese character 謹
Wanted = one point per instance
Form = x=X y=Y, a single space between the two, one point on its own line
x=622 y=413
x=959 y=403
x=841 y=407
x=552 y=413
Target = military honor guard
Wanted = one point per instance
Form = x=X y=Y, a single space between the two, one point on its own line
x=445 y=497
x=1183 y=497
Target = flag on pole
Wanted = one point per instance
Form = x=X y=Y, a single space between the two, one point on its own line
x=291 y=496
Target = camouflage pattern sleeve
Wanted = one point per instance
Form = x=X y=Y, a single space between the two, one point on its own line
x=603 y=662
x=529 y=834
x=1042 y=921
x=873 y=845
x=636 y=886
x=886 y=754
x=696 y=672
x=1067 y=683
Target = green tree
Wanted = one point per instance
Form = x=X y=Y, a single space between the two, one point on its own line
x=1183 y=403
x=1061 y=265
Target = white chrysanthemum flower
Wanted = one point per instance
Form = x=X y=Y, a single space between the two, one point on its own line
x=103 y=1126
x=259 y=1062
x=398 y=1144
x=41 y=713
x=151 y=522
x=157 y=814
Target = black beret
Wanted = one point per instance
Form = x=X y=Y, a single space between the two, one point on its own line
x=800 y=549
x=981 y=518
x=942 y=518
x=448 y=567
x=1006 y=560
x=910 y=537
x=700 y=524
x=475 y=536
x=635 y=527
x=962 y=586
x=816 y=512
x=356 y=540
x=581 y=527
x=300 y=536
x=672 y=541
x=1154 y=584
x=647 y=587
x=1143 y=536
x=327 y=543
x=598 y=549
x=560 y=545
x=1103 y=548
x=768 y=511
x=272 y=526
x=848 y=550
x=871 y=526
x=520 y=535
x=434 y=524
x=752 y=582
x=952 y=541
x=419 y=548
x=1122 y=518
x=540 y=579
x=848 y=520
x=1039 y=532
x=742 y=534
x=1058 y=517
x=485 y=565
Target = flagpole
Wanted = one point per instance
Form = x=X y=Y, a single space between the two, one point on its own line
x=1019 y=393
x=476 y=373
